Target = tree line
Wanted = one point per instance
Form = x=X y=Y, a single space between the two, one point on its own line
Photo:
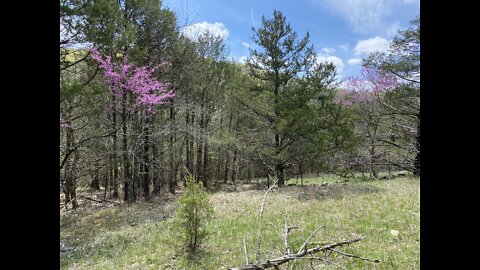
x=143 y=106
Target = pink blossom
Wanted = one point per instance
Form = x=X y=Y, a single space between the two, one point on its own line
x=63 y=124
x=139 y=80
x=368 y=87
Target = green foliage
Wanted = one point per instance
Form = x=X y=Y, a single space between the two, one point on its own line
x=294 y=100
x=193 y=214
x=283 y=53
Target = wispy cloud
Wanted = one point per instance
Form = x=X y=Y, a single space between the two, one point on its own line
x=194 y=31
x=364 y=16
x=247 y=45
x=354 y=61
x=345 y=47
x=328 y=50
x=367 y=46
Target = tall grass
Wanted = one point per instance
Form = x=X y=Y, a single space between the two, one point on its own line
x=140 y=236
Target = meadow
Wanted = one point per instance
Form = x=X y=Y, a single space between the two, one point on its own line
x=143 y=235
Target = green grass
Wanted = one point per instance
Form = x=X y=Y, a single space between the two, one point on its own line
x=142 y=236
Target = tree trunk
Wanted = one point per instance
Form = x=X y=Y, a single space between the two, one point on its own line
x=172 y=178
x=114 y=159
x=190 y=166
x=219 y=151
x=108 y=179
x=157 y=146
x=280 y=176
x=300 y=168
x=227 y=152
x=70 y=169
x=199 y=170
x=205 y=165
x=68 y=185
x=373 y=168
x=234 y=168
x=95 y=182
x=146 y=159
x=136 y=153
x=187 y=139
x=128 y=191
x=416 y=170
x=227 y=165
x=279 y=164
x=249 y=171
x=373 y=154
x=73 y=191
x=235 y=158
x=156 y=169
x=200 y=142
x=205 y=170
x=278 y=147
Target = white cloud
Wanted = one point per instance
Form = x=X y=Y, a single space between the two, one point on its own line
x=242 y=59
x=337 y=62
x=196 y=30
x=345 y=47
x=411 y=1
x=328 y=50
x=354 y=61
x=371 y=45
x=247 y=45
x=364 y=16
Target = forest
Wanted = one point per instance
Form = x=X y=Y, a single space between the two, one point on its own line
x=160 y=131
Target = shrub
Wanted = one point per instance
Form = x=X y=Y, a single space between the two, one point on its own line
x=193 y=214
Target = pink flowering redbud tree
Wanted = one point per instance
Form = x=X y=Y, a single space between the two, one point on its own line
x=368 y=88
x=366 y=94
x=124 y=79
x=139 y=81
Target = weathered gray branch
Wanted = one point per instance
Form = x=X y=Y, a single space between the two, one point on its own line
x=304 y=246
x=354 y=256
x=302 y=251
x=259 y=239
x=245 y=251
x=289 y=257
x=286 y=231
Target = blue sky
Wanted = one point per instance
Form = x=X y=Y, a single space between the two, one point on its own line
x=342 y=31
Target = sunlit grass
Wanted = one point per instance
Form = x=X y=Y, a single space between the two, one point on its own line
x=142 y=236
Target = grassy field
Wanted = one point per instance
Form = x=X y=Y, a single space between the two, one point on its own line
x=142 y=235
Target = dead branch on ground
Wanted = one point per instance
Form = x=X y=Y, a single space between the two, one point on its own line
x=306 y=251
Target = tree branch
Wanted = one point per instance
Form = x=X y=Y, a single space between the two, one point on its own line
x=289 y=257
x=354 y=256
x=402 y=77
x=259 y=238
